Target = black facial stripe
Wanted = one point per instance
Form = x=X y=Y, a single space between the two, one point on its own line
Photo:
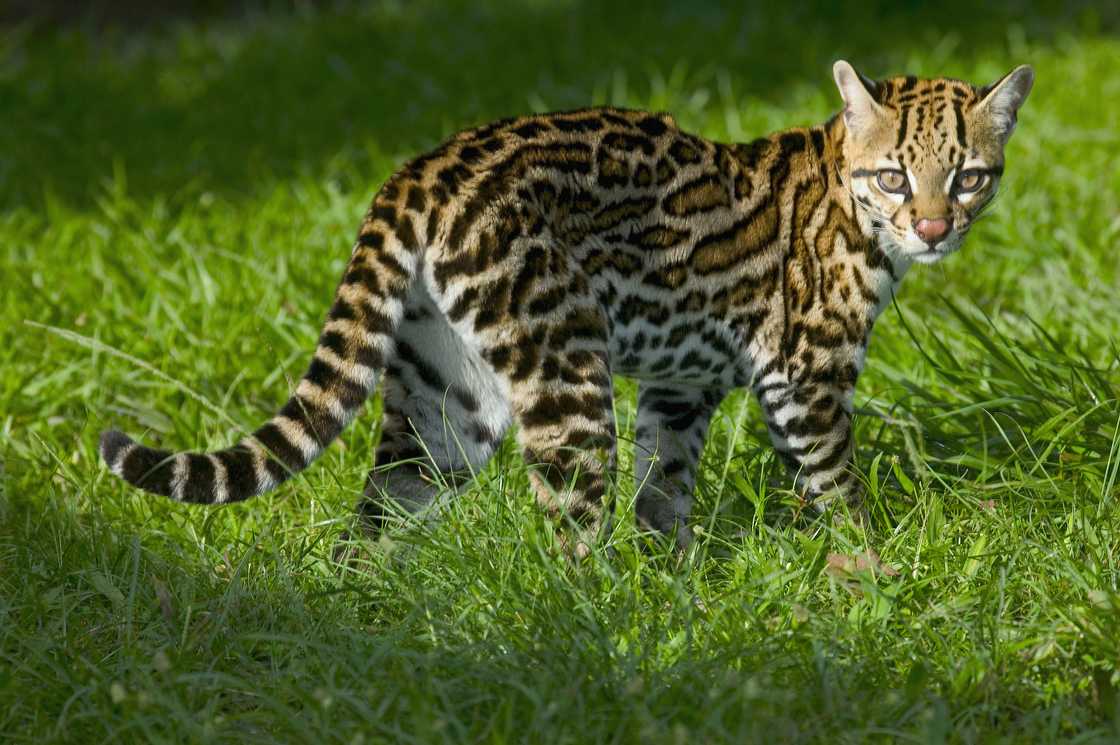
x=864 y=173
x=902 y=129
x=960 y=123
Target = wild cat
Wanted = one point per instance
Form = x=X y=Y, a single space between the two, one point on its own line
x=506 y=276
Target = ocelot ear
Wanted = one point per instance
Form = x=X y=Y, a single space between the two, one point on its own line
x=1002 y=99
x=859 y=93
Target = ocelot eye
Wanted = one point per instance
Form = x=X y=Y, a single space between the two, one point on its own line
x=969 y=181
x=893 y=181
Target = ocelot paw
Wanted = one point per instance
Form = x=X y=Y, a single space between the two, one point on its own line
x=845 y=506
x=349 y=552
x=668 y=528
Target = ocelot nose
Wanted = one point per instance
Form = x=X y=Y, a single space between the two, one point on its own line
x=931 y=231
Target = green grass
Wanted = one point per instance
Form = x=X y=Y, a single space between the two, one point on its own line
x=177 y=203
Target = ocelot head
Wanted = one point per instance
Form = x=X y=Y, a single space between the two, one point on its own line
x=924 y=157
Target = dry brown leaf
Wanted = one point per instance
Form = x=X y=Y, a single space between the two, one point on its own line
x=845 y=565
x=164 y=598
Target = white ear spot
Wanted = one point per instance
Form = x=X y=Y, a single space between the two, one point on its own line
x=1003 y=98
x=860 y=108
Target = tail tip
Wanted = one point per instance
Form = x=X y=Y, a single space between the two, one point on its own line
x=112 y=444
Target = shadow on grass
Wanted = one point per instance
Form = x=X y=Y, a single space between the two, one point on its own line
x=231 y=103
x=174 y=646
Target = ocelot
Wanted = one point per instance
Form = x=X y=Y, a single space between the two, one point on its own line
x=507 y=275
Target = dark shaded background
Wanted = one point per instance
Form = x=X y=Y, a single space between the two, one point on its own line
x=363 y=81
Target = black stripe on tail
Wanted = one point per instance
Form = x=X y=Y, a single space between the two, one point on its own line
x=349 y=358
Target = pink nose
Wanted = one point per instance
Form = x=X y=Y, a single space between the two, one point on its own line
x=931 y=231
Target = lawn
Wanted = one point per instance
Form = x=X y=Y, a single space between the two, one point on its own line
x=177 y=201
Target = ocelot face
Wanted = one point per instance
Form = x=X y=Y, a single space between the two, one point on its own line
x=924 y=157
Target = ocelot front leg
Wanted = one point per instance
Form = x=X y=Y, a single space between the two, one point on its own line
x=809 y=417
x=672 y=423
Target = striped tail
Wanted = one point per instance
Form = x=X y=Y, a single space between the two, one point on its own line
x=355 y=343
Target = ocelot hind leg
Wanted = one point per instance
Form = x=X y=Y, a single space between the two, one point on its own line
x=672 y=423
x=561 y=393
x=444 y=415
